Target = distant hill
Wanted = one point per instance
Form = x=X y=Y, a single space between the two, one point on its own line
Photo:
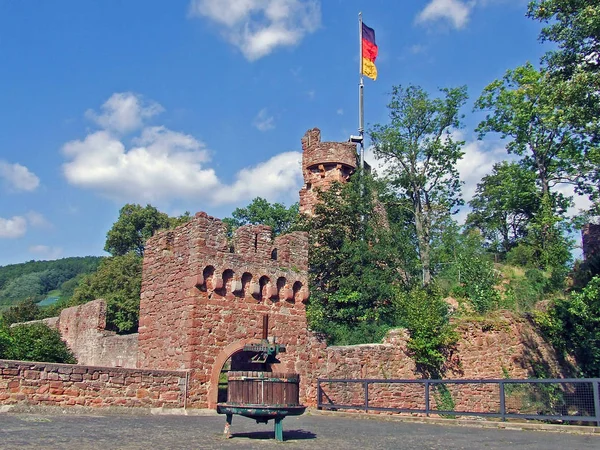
x=36 y=279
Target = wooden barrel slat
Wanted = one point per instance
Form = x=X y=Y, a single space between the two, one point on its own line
x=263 y=388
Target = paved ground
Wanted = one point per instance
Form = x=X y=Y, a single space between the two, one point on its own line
x=82 y=432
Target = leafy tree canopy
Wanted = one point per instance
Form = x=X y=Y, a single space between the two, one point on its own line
x=573 y=327
x=135 y=225
x=261 y=212
x=118 y=280
x=352 y=265
x=421 y=154
x=504 y=203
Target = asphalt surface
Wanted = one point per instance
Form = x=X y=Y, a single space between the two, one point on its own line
x=35 y=431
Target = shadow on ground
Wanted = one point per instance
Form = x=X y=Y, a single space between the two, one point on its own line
x=288 y=435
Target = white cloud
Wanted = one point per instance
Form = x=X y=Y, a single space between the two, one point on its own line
x=37 y=219
x=124 y=112
x=280 y=175
x=340 y=111
x=18 y=177
x=12 y=228
x=264 y=122
x=454 y=11
x=46 y=251
x=164 y=164
x=257 y=27
x=477 y=162
x=161 y=165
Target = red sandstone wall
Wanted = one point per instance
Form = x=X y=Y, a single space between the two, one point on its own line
x=83 y=329
x=70 y=385
x=203 y=298
x=508 y=345
x=590 y=237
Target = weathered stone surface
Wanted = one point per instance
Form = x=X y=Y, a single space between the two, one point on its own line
x=63 y=385
x=322 y=164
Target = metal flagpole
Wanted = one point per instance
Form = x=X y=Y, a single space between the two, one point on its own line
x=361 y=119
x=361 y=85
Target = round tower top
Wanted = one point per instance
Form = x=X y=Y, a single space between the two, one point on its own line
x=315 y=152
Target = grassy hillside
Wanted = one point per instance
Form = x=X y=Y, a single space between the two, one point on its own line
x=39 y=280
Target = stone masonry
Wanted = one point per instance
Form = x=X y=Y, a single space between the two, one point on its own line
x=83 y=328
x=203 y=297
x=322 y=164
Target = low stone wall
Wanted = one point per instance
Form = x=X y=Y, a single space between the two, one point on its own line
x=70 y=385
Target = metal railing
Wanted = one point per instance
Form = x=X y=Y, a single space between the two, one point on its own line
x=556 y=400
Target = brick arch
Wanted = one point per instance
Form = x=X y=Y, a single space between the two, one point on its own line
x=226 y=353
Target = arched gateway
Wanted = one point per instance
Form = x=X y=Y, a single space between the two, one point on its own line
x=204 y=296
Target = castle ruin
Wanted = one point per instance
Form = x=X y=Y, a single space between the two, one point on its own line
x=202 y=300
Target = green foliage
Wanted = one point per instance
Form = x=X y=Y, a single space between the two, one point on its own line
x=421 y=156
x=261 y=212
x=135 y=225
x=5 y=340
x=118 y=280
x=465 y=265
x=35 y=342
x=352 y=265
x=21 y=312
x=573 y=327
x=364 y=332
x=432 y=338
x=504 y=203
x=522 y=106
x=443 y=400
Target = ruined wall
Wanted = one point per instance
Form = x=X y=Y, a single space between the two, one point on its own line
x=590 y=238
x=203 y=298
x=83 y=328
x=70 y=385
x=494 y=349
x=322 y=164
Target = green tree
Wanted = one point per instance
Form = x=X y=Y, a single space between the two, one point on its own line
x=135 y=225
x=574 y=26
x=118 y=280
x=504 y=204
x=573 y=327
x=23 y=311
x=352 y=266
x=421 y=155
x=261 y=212
x=523 y=107
x=36 y=342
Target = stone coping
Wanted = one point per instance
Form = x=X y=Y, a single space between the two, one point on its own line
x=33 y=365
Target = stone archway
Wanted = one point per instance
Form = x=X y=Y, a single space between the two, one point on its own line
x=224 y=355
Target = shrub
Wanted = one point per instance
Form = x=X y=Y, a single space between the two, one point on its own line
x=37 y=342
x=432 y=338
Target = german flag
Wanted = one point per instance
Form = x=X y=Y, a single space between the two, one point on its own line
x=369 y=52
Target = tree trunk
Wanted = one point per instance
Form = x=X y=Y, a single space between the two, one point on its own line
x=423 y=242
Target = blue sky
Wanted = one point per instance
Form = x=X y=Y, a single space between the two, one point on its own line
x=200 y=105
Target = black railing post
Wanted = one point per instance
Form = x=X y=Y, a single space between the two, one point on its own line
x=366 y=384
x=502 y=402
x=596 y=401
x=427 y=398
x=319 y=395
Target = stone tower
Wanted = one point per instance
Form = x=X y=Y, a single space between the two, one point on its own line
x=322 y=164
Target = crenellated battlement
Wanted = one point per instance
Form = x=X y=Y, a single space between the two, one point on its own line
x=202 y=288
x=322 y=164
